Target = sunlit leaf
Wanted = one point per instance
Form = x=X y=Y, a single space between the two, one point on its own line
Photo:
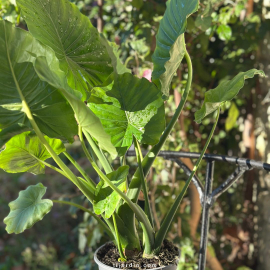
x=224 y=32
x=232 y=117
x=76 y=42
x=226 y=91
x=27 y=209
x=25 y=153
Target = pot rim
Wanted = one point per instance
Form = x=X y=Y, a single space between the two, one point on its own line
x=99 y=263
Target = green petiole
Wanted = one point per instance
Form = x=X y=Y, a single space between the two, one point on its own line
x=170 y=215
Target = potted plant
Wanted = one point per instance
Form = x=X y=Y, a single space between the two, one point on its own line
x=63 y=78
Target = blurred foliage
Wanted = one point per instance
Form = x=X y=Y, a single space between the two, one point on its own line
x=223 y=39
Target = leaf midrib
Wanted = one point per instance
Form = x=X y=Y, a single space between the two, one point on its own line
x=60 y=41
x=11 y=68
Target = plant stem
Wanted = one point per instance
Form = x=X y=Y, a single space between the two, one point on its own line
x=170 y=215
x=52 y=167
x=86 y=190
x=84 y=146
x=80 y=169
x=82 y=181
x=135 y=185
x=60 y=163
x=143 y=181
x=134 y=207
x=90 y=213
x=122 y=256
x=104 y=162
x=127 y=60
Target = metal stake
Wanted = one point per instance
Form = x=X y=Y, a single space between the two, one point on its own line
x=206 y=214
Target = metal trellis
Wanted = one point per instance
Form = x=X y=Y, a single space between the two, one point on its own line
x=206 y=194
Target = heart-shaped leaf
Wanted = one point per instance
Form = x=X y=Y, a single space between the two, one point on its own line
x=107 y=199
x=60 y=25
x=133 y=94
x=27 y=209
x=125 y=114
x=226 y=91
x=19 y=81
x=25 y=153
x=170 y=48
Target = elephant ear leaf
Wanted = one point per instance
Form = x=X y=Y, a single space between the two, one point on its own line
x=129 y=107
x=76 y=42
x=20 y=83
x=27 y=209
x=107 y=199
x=170 y=48
x=226 y=91
x=25 y=153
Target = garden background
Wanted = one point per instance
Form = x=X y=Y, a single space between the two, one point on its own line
x=223 y=38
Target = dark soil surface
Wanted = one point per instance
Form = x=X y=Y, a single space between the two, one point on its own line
x=109 y=255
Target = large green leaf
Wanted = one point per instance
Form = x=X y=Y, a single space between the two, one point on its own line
x=60 y=25
x=226 y=91
x=48 y=70
x=27 y=209
x=25 y=153
x=133 y=94
x=47 y=67
x=50 y=110
x=126 y=114
x=106 y=199
x=170 y=48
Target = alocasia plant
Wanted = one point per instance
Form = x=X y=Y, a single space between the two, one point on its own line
x=63 y=78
